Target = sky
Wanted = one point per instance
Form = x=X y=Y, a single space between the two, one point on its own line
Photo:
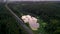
x=34 y=0
x=30 y=0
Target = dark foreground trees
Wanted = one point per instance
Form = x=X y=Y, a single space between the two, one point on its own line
x=48 y=12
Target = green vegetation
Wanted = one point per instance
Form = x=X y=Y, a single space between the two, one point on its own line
x=48 y=15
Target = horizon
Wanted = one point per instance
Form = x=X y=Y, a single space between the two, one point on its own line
x=34 y=0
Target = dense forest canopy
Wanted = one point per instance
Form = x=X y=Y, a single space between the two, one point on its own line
x=47 y=13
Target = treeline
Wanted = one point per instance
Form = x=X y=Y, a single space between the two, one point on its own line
x=48 y=12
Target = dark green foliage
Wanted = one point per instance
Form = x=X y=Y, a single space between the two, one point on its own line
x=8 y=25
x=48 y=13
